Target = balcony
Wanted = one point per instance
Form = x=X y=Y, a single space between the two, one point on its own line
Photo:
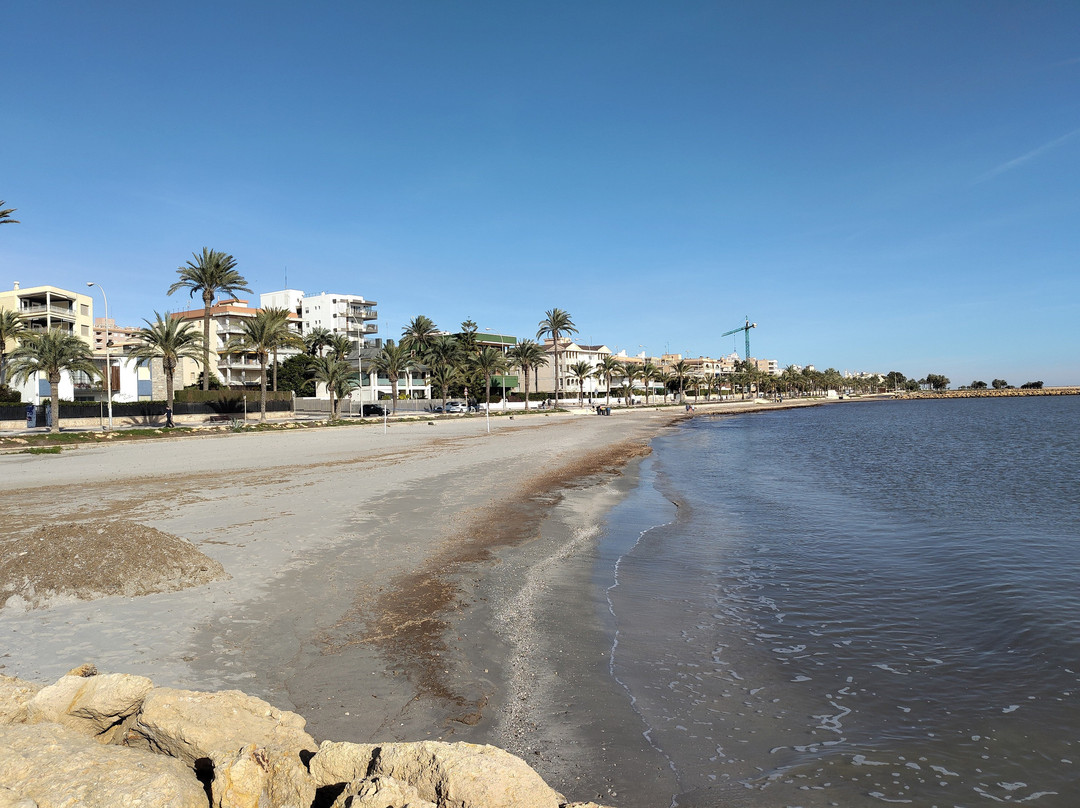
x=66 y=328
x=38 y=309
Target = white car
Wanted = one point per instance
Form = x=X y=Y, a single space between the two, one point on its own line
x=456 y=406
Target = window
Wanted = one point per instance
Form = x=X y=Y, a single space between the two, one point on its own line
x=86 y=331
x=84 y=310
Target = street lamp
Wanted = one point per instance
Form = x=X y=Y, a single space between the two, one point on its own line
x=644 y=362
x=108 y=364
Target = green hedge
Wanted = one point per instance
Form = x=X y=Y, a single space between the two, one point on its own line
x=230 y=404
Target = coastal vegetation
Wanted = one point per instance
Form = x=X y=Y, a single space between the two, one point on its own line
x=5 y=214
x=170 y=340
x=556 y=324
x=12 y=328
x=260 y=335
x=211 y=273
x=51 y=353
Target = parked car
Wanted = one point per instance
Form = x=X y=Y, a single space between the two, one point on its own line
x=374 y=409
x=455 y=406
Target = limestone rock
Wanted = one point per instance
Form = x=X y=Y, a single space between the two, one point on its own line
x=11 y=799
x=452 y=775
x=380 y=792
x=255 y=777
x=339 y=762
x=56 y=767
x=193 y=726
x=15 y=694
x=94 y=705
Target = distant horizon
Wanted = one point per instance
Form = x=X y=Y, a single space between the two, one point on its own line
x=878 y=187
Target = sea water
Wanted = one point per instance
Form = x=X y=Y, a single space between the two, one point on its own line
x=857 y=604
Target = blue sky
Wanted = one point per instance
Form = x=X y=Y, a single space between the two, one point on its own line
x=880 y=186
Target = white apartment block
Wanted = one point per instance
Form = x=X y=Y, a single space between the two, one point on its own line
x=351 y=315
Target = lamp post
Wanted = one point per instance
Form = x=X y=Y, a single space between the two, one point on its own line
x=360 y=372
x=644 y=362
x=108 y=363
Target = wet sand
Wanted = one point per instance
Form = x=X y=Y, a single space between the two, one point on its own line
x=430 y=582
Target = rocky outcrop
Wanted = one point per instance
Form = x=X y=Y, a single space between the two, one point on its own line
x=196 y=727
x=451 y=775
x=256 y=777
x=48 y=765
x=99 y=706
x=116 y=740
x=15 y=694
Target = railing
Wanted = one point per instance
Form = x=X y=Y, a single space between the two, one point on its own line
x=41 y=308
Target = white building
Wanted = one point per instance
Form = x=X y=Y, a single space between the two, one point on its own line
x=570 y=353
x=351 y=315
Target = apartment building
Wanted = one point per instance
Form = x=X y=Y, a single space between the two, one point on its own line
x=570 y=353
x=234 y=369
x=45 y=307
x=351 y=315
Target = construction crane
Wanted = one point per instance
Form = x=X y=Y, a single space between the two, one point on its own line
x=745 y=328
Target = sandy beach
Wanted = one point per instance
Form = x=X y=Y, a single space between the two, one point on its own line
x=426 y=582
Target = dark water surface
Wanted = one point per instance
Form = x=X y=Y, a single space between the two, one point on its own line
x=859 y=604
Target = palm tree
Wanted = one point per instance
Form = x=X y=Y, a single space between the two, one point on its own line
x=394 y=361
x=581 y=371
x=525 y=356
x=339 y=347
x=260 y=335
x=50 y=353
x=608 y=367
x=631 y=372
x=556 y=324
x=316 y=339
x=680 y=372
x=487 y=363
x=211 y=273
x=339 y=378
x=649 y=374
x=442 y=378
x=12 y=328
x=667 y=382
x=5 y=214
x=445 y=351
x=281 y=316
x=418 y=335
x=171 y=339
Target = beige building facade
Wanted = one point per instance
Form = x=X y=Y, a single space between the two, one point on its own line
x=234 y=370
x=45 y=307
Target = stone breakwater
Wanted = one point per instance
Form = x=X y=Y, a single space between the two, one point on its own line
x=1046 y=391
x=101 y=741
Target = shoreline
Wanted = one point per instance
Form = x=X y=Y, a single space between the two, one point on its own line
x=333 y=539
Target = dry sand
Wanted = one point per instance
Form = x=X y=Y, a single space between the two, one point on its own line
x=386 y=586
